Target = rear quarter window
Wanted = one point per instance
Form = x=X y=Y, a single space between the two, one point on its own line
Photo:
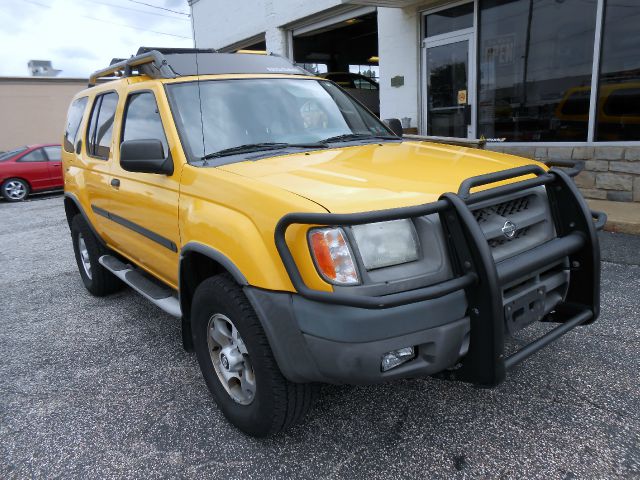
x=34 y=156
x=74 y=118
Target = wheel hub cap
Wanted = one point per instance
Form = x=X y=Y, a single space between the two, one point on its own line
x=224 y=361
x=230 y=359
x=15 y=190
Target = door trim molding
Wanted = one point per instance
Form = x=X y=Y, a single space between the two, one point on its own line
x=159 y=239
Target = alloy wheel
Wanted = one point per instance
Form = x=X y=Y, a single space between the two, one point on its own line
x=230 y=359
x=15 y=190
x=84 y=256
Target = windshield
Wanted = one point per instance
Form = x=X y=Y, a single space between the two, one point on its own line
x=12 y=153
x=263 y=111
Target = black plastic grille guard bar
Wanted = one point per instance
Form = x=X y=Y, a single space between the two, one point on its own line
x=600 y=219
x=547 y=338
x=536 y=258
x=573 y=167
x=464 y=191
x=412 y=296
x=386 y=301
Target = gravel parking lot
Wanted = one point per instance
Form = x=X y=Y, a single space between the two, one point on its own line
x=101 y=388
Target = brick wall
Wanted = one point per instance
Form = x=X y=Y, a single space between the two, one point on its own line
x=611 y=173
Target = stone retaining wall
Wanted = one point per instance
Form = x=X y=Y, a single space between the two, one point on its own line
x=611 y=173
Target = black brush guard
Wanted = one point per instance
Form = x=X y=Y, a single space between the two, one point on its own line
x=475 y=270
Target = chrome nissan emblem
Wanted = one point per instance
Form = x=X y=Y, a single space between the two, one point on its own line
x=509 y=229
x=224 y=361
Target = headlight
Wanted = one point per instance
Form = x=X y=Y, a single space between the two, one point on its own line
x=332 y=255
x=384 y=244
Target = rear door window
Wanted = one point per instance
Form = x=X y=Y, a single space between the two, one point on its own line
x=74 y=117
x=101 y=125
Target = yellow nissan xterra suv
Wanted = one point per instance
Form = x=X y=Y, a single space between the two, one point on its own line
x=303 y=241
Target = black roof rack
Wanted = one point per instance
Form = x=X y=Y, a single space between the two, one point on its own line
x=176 y=62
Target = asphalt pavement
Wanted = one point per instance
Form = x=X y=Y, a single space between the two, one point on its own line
x=101 y=388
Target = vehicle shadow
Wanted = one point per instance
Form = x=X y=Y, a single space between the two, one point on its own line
x=34 y=197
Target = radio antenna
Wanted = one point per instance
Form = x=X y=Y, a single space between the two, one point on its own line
x=195 y=46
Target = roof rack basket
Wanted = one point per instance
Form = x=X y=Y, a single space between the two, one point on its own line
x=178 y=62
x=148 y=61
x=126 y=67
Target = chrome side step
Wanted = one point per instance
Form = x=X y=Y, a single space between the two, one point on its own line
x=158 y=294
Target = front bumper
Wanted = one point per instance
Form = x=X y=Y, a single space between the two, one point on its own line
x=317 y=342
x=574 y=253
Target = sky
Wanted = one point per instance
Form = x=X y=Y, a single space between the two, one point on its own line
x=81 y=36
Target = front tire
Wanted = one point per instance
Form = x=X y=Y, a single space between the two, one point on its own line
x=97 y=279
x=14 y=189
x=237 y=362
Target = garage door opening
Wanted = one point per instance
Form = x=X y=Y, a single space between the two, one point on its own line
x=257 y=47
x=345 y=52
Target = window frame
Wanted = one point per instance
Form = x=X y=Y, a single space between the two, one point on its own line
x=123 y=122
x=98 y=98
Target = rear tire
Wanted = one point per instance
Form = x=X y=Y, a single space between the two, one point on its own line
x=97 y=279
x=275 y=403
x=14 y=190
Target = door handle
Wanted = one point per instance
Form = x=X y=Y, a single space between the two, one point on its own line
x=115 y=183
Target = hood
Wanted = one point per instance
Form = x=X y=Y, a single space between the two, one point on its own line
x=375 y=176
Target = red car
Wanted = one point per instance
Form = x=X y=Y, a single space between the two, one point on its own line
x=30 y=169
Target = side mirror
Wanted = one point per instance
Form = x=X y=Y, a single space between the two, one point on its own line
x=395 y=125
x=145 y=156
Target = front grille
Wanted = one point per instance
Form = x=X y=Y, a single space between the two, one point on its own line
x=528 y=211
x=497 y=242
x=503 y=209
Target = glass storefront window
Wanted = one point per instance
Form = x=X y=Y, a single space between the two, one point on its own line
x=618 y=110
x=535 y=62
x=448 y=20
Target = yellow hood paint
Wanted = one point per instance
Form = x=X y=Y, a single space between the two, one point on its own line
x=375 y=176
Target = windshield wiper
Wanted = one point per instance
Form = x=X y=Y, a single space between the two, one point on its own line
x=355 y=136
x=246 y=148
x=256 y=147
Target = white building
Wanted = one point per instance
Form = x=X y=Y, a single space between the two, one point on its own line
x=555 y=79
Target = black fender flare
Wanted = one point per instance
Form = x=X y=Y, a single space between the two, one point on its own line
x=71 y=197
x=218 y=257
